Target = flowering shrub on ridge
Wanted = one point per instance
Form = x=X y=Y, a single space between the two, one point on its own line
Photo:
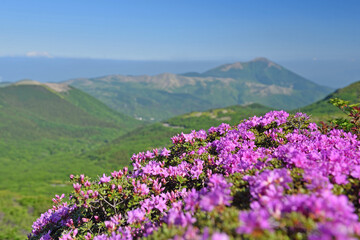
x=270 y=177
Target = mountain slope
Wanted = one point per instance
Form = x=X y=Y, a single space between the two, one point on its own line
x=43 y=127
x=158 y=134
x=323 y=110
x=38 y=110
x=166 y=95
x=268 y=83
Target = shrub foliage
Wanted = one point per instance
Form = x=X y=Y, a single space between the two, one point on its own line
x=271 y=177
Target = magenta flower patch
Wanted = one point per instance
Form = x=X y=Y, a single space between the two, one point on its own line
x=270 y=177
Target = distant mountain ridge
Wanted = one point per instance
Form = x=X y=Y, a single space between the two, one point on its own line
x=166 y=95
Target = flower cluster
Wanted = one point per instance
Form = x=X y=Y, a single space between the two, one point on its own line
x=270 y=177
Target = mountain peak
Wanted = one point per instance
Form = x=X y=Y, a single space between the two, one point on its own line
x=237 y=65
x=266 y=61
x=260 y=59
x=57 y=87
x=26 y=82
x=242 y=65
x=166 y=75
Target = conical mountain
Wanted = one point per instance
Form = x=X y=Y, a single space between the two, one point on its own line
x=263 y=71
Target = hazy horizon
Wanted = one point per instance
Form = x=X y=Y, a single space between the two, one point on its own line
x=331 y=73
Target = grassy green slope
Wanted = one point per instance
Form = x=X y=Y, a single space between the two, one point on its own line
x=214 y=117
x=38 y=126
x=42 y=132
x=141 y=99
x=158 y=134
x=322 y=110
x=17 y=211
x=98 y=109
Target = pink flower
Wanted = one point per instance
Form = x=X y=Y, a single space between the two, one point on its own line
x=82 y=177
x=110 y=225
x=136 y=216
x=161 y=204
x=77 y=187
x=87 y=183
x=165 y=152
x=105 y=179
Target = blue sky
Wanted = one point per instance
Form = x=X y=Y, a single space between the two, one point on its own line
x=181 y=30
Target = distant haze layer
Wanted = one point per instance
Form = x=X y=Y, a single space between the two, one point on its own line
x=332 y=73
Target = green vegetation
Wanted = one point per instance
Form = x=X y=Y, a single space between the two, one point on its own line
x=158 y=134
x=350 y=123
x=45 y=135
x=16 y=212
x=42 y=133
x=323 y=111
x=214 y=117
